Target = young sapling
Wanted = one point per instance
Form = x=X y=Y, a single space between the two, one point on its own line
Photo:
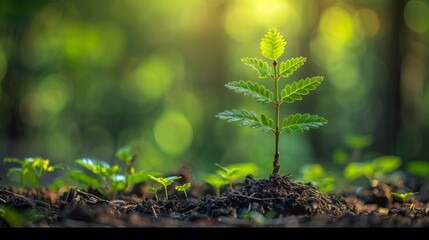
x=20 y=171
x=40 y=167
x=404 y=196
x=272 y=47
x=165 y=182
x=227 y=173
x=216 y=181
x=155 y=191
x=183 y=188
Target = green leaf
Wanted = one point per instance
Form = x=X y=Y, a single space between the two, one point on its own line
x=273 y=44
x=256 y=91
x=125 y=154
x=418 y=168
x=386 y=164
x=183 y=187
x=215 y=180
x=84 y=178
x=298 y=123
x=164 y=181
x=404 y=196
x=291 y=65
x=356 y=141
x=13 y=160
x=96 y=166
x=297 y=89
x=138 y=177
x=259 y=65
x=14 y=170
x=243 y=169
x=340 y=156
x=243 y=117
x=356 y=170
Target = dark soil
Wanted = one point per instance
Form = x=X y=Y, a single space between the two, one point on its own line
x=275 y=202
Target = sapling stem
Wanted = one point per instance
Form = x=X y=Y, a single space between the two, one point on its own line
x=276 y=164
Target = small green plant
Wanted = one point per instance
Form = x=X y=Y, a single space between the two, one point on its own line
x=125 y=155
x=20 y=171
x=38 y=165
x=216 y=181
x=404 y=196
x=41 y=167
x=107 y=181
x=110 y=179
x=372 y=170
x=155 y=191
x=183 y=188
x=272 y=47
x=165 y=182
x=316 y=174
x=229 y=174
x=418 y=169
x=356 y=143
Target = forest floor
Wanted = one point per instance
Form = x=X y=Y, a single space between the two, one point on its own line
x=277 y=201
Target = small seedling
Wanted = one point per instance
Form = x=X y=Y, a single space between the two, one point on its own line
x=165 y=182
x=374 y=169
x=155 y=190
x=107 y=181
x=404 y=197
x=216 y=181
x=272 y=47
x=38 y=165
x=41 y=167
x=317 y=174
x=20 y=171
x=182 y=188
x=125 y=155
x=110 y=179
x=227 y=173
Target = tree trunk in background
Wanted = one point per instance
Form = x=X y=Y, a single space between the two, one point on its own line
x=391 y=52
x=13 y=31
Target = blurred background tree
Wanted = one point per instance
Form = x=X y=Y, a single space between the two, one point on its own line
x=83 y=78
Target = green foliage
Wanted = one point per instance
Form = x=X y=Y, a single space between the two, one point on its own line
x=404 y=196
x=20 y=171
x=244 y=118
x=37 y=165
x=256 y=91
x=374 y=169
x=125 y=155
x=295 y=91
x=272 y=47
x=40 y=167
x=290 y=66
x=155 y=191
x=16 y=219
x=298 y=123
x=110 y=179
x=165 y=182
x=107 y=179
x=229 y=174
x=418 y=168
x=316 y=174
x=216 y=181
x=357 y=141
x=183 y=188
x=273 y=44
x=259 y=65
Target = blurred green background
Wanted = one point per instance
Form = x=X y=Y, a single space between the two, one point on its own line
x=83 y=78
